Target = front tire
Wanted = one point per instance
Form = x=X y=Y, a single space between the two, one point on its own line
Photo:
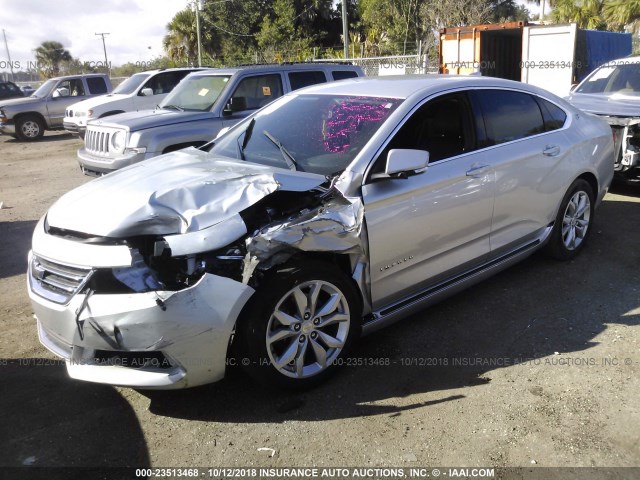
x=299 y=325
x=573 y=222
x=29 y=128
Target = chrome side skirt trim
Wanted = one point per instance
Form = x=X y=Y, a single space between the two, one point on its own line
x=398 y=310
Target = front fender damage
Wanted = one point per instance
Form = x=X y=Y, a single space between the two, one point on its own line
x=335 y=226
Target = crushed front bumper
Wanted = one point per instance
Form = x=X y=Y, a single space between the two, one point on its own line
x=155 y=340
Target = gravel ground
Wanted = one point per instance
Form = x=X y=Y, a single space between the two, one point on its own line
x=537 y=366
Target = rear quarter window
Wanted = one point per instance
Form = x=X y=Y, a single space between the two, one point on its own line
x=343 y=74
x=304 y=79
x=96 y=85
x=554 y=116
x=509 y=115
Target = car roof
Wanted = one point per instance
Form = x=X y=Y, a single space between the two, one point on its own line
x=174 y=69
x=404 y=86
x=79 y=75
x=277 y=66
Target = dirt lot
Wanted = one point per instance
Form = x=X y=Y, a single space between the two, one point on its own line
x=535 y=367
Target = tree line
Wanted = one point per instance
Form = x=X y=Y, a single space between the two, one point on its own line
x=245 y=31
x=257 y=31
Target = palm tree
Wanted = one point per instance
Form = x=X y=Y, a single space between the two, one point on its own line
x=622 y=13
x=586 y=13
x=181 y=41
x=50 y=55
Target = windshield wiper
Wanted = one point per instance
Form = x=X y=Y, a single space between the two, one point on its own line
x=173 y=107
x=247 y=136
x=288 y=158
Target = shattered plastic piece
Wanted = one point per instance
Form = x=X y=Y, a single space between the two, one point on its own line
x=270 y=451
x=250 y=264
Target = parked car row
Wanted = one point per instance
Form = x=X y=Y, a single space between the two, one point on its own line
x=329 y=213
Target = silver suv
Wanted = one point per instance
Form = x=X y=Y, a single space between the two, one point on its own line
x=332 y=212
x=195 y=111
x=28 y=118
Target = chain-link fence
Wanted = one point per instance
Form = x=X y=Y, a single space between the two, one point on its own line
x=396 y=65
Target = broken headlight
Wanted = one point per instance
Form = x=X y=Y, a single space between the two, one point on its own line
x=138 y=277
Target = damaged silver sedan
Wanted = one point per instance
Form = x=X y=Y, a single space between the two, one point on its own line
x=613 y=93
x=330 y=213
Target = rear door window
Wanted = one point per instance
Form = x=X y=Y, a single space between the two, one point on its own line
x=96 y=85
x=509 y=115
x=304 y=79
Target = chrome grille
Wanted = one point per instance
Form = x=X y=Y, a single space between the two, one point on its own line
x=97 y=141
x=57 y=282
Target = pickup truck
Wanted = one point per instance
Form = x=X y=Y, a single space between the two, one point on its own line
x=195 y=111
x=28 y=118
x=141 y=91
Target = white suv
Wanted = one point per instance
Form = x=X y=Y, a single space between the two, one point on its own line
x=141 y=91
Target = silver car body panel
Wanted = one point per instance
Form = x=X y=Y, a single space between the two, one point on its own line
x=407 y=241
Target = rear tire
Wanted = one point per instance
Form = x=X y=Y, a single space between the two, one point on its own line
x=29 y=128
x=299 y=326
x=573 y=222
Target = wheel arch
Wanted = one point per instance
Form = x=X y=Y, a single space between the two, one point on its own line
x=40 y=117
x=591 y=179
x=342 y=262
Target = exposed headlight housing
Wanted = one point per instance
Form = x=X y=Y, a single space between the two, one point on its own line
x=118 y=140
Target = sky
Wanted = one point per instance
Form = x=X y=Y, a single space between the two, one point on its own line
x=135 y=27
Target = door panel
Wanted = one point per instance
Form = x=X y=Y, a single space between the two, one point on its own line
x=428 y=226
x=525 y=203
x=528 y=150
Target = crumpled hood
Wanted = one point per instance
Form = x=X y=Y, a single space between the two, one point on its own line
x=616 y=104
x=180 y=192
x=144 y=119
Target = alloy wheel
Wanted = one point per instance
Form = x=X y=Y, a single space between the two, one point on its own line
x=575 y=222
x=308 y=329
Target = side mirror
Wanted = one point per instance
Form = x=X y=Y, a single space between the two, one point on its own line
x=401 y=160
x=236 y=104
x=146 y=92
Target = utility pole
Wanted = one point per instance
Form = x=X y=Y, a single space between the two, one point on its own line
x=198 y=6
x=6 y=46
x=345 y=29
x=104 y=47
